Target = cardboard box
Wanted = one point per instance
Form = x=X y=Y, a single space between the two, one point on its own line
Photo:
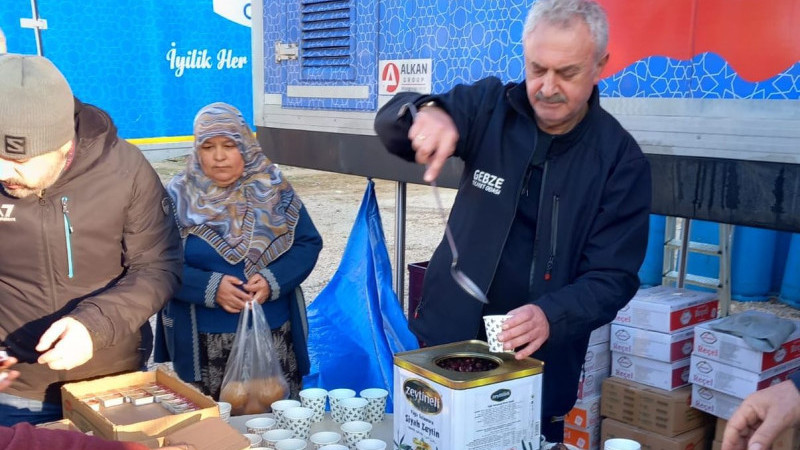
x=714 y=402
x=734 y=380
x=657 y=410
x=789 y=439
x=583 y=438
x=597 y=357
x=209 y=434
x=663 y=375
x=667 y=347
x=591 y=382
x=733 y=350
x=585 y=413
x=601 y=334
x=690 y=440
x=666 y=309
x=127 y=422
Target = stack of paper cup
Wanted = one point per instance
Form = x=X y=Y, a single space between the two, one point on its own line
x=376 y=403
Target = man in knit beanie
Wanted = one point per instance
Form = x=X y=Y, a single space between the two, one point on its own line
x=88 y=247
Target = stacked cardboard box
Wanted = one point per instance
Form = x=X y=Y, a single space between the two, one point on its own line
x=647 y=397
x=656 y=418
x=582 y=424
x=725 y=369
x=651 y=337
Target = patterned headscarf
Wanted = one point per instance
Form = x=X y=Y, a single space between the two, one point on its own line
x=254 y=218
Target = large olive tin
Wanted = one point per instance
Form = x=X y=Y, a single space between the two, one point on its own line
x=436 y=407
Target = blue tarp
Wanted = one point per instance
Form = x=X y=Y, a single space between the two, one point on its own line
x=356 y=323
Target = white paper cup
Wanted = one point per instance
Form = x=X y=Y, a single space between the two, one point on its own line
x=323 y=438
x=352 y=409
x=255 y=439
x=371 y=444
x=621 y=444
x=334 y=396
x=224 y=410
x=494 y=326
x=298 y=419
x=376 y=403
x=279 y=407
x=314 y=398
x=260 y=425
x=356 y=431
x=334 y=447
x=291 y=444
x=276 y=435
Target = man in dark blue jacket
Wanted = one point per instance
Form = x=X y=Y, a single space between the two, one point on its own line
x=553 y=205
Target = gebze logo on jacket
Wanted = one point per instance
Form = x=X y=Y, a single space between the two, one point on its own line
x=488 y=182
x=5 y=213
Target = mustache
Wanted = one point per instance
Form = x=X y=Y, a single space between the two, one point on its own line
x=555 y=98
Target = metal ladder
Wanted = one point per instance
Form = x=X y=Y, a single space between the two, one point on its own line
x=677 y=249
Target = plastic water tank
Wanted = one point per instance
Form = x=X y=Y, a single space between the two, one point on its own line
x=652 y=266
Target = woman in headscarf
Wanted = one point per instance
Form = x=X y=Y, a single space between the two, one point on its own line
x=246 y=235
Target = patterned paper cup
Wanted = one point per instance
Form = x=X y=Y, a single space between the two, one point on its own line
x=376 y=403
x=255 y=439
x=494 y=326
x=279 y=407
x=371 y=444
x=334 y=447
x=314 y=398
x=298 y=419
x=324 y=438
x=355 y=432
x=352 y=409
x=333 y=397
x=276 y=435
x=260 y=425
x=291 y=444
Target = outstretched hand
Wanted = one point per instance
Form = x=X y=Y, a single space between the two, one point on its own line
x=433 y=137
x=762 y=417
x=6 y=375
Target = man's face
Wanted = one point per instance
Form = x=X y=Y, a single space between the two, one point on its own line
x=560 y=73
x=221 y=160
x=21 y=178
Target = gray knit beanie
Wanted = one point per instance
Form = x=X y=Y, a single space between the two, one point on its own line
x=36 y=107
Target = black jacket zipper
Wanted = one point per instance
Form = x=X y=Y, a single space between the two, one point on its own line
x=553 y=239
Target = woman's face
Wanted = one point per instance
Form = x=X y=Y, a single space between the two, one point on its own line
x=221 y=160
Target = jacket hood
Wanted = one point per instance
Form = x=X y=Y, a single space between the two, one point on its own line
x=95 y=133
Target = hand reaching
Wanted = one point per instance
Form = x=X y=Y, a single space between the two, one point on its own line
x=66 y=345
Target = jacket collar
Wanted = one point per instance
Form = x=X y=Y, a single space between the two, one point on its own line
x=518 y=99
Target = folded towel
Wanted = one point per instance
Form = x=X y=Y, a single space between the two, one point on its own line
x=762 y=331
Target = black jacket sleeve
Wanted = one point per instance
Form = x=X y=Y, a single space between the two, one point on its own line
x=466 y=104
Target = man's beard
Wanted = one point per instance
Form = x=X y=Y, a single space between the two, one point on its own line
x=23 y=190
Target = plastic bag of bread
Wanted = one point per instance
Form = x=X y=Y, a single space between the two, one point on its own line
x=253 y=376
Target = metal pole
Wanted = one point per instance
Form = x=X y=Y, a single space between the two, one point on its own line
x=400 y=242
x=37 y=31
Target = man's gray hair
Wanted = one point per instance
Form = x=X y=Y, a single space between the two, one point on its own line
x=563 y=12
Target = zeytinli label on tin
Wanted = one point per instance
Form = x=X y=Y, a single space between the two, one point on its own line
x=497 y=416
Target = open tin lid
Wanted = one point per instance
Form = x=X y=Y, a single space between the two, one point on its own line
x=448 y=364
